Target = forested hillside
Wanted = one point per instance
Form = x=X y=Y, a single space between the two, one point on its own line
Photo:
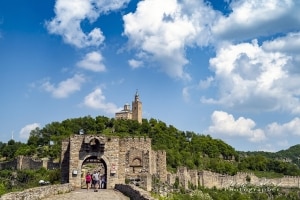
x=291 y=154
x=184 y=148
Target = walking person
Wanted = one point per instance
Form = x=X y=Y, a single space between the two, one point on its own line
x=96 y=180
x=88 y=179
x=103 y=181
x=100 y=181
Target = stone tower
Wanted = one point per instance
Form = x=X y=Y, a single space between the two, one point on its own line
x=137 y=108
x=135 y=113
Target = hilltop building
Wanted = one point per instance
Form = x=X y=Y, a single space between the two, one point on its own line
x=135 y=113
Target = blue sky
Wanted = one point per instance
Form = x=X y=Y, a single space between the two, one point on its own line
x=228 y=68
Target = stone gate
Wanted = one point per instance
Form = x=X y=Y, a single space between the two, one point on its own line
x=116 y=158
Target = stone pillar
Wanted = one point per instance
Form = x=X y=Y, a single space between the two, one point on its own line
x=75 y=165
x=162 y=165
x=122 y=161
x=194 y=177
x=64 y=160
x=182 y=175
x=112 y=153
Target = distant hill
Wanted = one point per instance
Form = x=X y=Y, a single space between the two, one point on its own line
x=291 y=154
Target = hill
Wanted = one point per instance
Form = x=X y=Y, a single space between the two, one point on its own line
x=290 y=155
x=183 y=148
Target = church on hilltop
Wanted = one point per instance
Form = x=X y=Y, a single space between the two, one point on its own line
x=134 y=113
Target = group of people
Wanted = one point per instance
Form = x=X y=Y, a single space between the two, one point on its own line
x=95 y=180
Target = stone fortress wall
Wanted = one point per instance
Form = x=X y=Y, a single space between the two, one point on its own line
x=26 y=162
x=210 y=179
x=38 y=193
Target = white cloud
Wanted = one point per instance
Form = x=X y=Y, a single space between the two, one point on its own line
x=25 y=131
x=96 y=100
x=186 y=94
x=272 y=137
x=288 y=44
x=289 y=128
x=64 y=88
x=135 y=63
x=206 y=83
x=92 y=61
x=70 y=15
x=225 y=124
x=252 y=78
x=166 y=33
x=254 y=18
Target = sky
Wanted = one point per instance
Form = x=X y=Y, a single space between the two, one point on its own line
x=225 y=68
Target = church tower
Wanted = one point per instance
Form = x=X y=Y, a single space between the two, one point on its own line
x=137 y=108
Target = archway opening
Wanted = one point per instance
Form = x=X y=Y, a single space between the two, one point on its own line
x=96 y=167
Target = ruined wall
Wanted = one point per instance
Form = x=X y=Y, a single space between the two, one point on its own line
x=183 y=176
x=9 y=164
x=210 y=179
x=38 y=192
x=28 y=163
x=25 y=162
x=161 y=165
x=134 y=192
x=153 y=165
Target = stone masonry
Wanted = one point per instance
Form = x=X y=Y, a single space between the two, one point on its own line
x=38 y=192
x=209 y=179
x=116 y=158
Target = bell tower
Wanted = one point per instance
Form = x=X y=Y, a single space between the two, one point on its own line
x=137 y=108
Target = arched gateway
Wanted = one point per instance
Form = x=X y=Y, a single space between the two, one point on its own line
x=92 y=165
x=116 y=158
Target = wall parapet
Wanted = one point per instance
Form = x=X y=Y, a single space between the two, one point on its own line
x=134 y=192
x=38 y=192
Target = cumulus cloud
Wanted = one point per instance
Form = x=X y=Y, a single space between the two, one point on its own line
x=135 y=63
x=25 y=131
x=254 y=18
x=70 y=15
x=93 y=62
x=64 y=88
x=288 y=44
x=225 y=124
x=96 y=100
x=290 y=128
x=271 y=137
x=165 y=34
x=250 y=77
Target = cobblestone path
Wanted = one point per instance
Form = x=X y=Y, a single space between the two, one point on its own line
x=83 y=194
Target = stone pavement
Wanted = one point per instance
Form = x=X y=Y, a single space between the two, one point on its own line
x=83 y=194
